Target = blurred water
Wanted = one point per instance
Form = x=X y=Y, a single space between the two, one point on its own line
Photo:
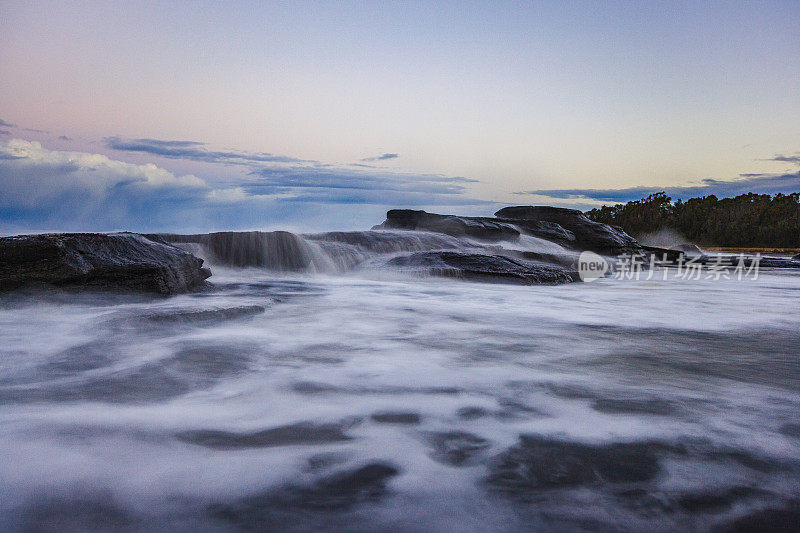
x=372 y=402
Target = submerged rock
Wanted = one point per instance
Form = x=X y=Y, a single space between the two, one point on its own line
x=396 y=417
x=487 y=268
x=540 y=463
x=457 y=448
x=303 y=433
x=588 y=235
x=310 y=507
x=126 y=261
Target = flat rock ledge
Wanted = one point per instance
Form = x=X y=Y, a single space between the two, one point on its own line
x=116 y=261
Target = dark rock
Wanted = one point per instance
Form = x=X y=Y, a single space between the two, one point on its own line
x=93 y=379
x=663 y=254
x=541 y=463
x=634 y=406
x=307 y=507
x=776 y=520
x=550 y=231
x=303 y=433
x=715 y=500
x=196 y=316
x=392 y=417
x=477 y=227
x=457 y=448
x=796 y=258
x=312 y=387
x=772 y=262
x=790 y=430
x=471 y=412
x=589 y=235
x=81 y=511
x=119 y=261
x=487 y=268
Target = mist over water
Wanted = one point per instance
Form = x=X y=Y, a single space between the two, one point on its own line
x=309 y=387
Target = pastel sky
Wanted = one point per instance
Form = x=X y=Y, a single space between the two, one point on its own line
x=183 y=116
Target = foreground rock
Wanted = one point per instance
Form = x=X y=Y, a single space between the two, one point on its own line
x=567 y=227
x=119 y=261
x=486 y=268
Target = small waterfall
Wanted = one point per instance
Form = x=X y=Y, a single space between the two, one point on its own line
x=335 y=252
x=273 y=250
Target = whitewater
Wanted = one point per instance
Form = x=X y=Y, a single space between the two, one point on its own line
x=310 y=386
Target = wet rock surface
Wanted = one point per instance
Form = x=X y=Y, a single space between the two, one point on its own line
x=542 y=463
x=457 y=448
x=304 y=433
x=485 y=268
x=119 y=261
x=396 y=417
x=311 y=506
x=87 y=373
x=588 y=235
x=76 y=512
x=778 y=520
x=456 y=226
x=568 y=227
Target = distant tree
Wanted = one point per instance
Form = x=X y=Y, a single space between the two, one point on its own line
x=748 y=220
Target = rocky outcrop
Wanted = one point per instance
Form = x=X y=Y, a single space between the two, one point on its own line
x=486 y=268
x=663 y=254
x=119 y=261
x=588 y=234
x=567 y=227
x=483 y=228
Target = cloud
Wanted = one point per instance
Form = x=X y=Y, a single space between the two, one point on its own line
x=7 y=124
x=67 y=188
x=360 y=187
x=33 y=176
x=758 y=183
x=289 y=179
x=64 y=190
x=382 y=157
x=195 y=151
x=787 y=158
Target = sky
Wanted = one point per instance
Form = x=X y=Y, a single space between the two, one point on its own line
x=195 y=116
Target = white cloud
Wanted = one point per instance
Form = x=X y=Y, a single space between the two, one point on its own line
x=232 y=195
x=32 y=175
x=78 y=191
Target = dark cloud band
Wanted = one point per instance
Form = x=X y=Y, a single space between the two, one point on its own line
x=758 y=183
x=195 y=151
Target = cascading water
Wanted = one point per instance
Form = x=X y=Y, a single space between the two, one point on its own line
x=336 y=252
x=275 y=250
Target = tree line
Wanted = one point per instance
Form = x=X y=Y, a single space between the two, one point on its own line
x=748 y=220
